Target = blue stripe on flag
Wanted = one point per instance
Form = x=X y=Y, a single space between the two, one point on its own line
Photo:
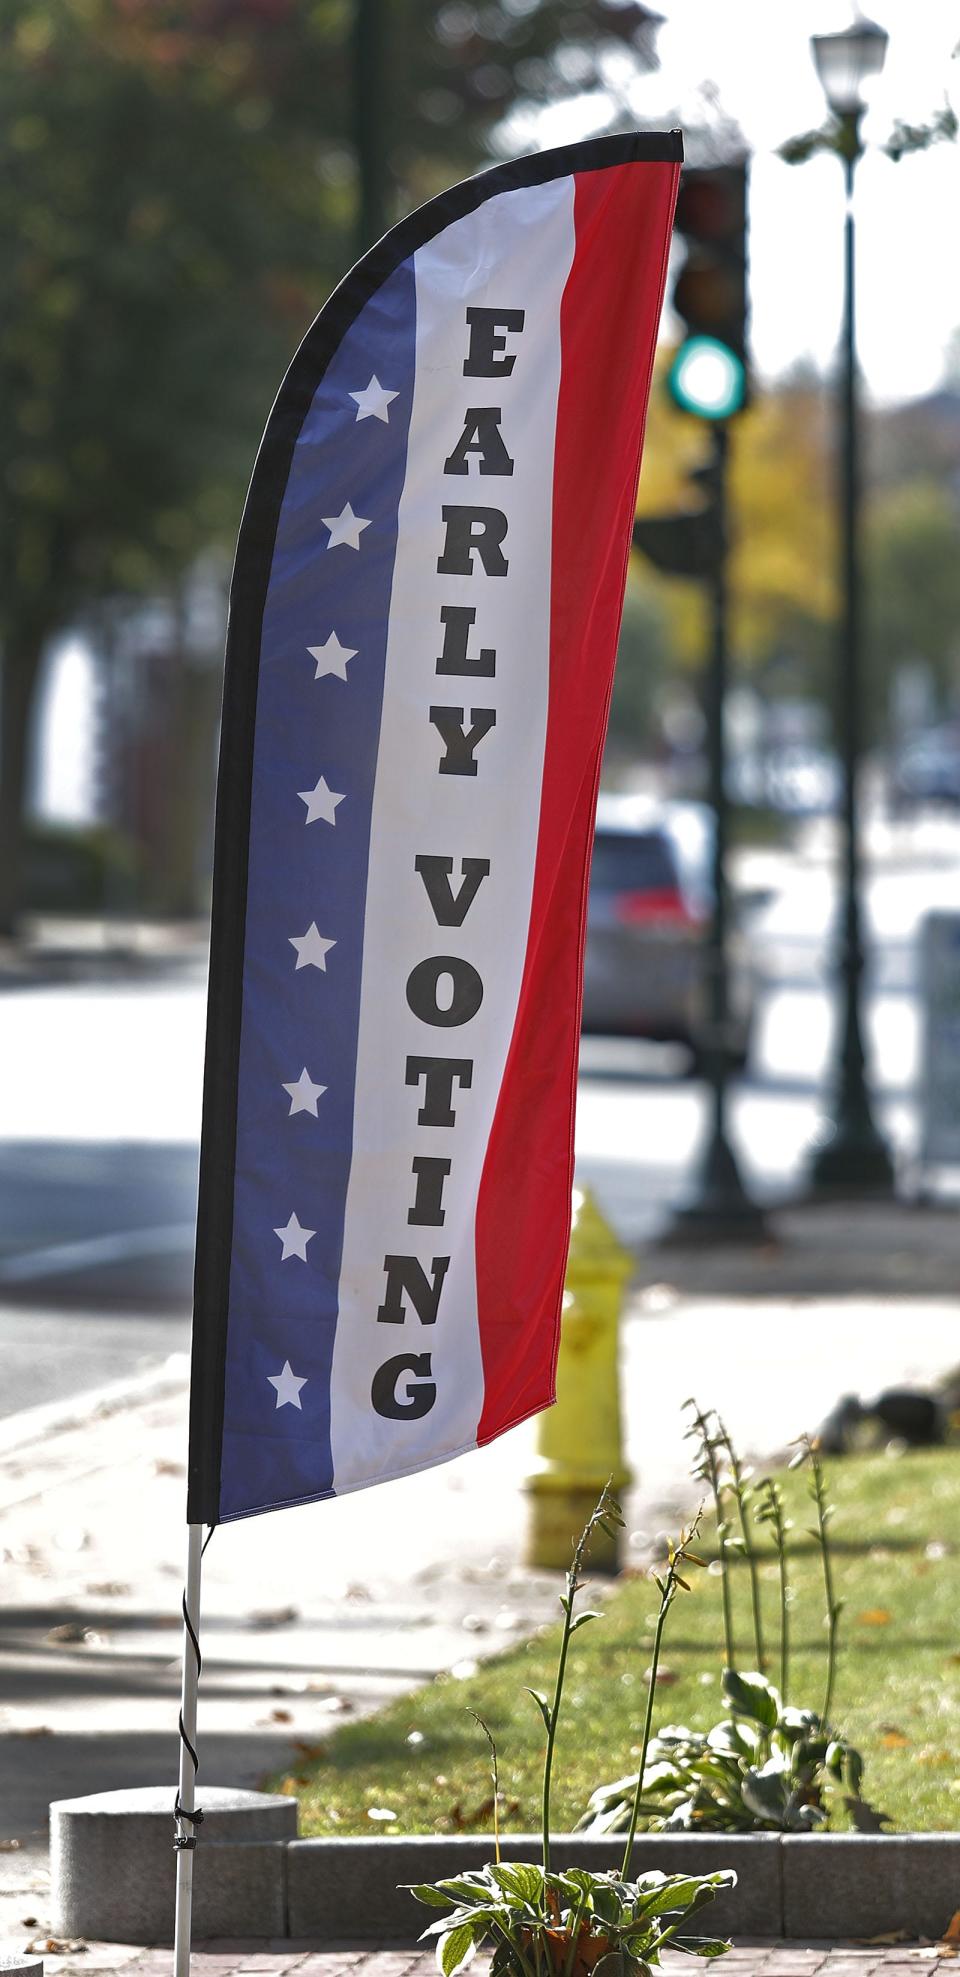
x=303 y=874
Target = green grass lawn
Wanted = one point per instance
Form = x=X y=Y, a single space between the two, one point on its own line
x=896 y=1537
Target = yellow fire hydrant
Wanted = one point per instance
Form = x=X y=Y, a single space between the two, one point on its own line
x=579 y=1441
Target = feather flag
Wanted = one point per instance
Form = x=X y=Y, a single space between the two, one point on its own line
x=423 y=622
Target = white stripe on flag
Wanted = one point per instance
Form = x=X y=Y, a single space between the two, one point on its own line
x=514 y=253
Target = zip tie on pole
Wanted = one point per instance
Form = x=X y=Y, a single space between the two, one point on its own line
x=186 y=1842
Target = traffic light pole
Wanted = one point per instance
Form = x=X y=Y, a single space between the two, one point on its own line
x=721 y=1209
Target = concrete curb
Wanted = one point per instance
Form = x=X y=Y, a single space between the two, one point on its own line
x=270 y=1883
x=36 y=1424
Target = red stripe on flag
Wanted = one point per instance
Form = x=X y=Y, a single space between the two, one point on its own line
x=608 y=325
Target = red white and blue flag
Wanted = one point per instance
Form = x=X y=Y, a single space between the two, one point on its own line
x=423 y=623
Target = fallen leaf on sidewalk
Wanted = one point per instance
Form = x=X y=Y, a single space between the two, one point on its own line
x=33 y=1730
x=276 y=1616
x=886 y=1936
x=10 y=1846
x=54 y=1946
x=951 y=1933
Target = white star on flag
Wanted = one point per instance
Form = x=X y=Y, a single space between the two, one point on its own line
x=304 y=1094
x=345 y=527
x=321 y=802
x=288 y=1386
x=312 y=949
x=332 y=657
x=373 y=403
x=294 y=1240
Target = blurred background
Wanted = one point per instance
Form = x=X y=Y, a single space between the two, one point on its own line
x=772 y=1011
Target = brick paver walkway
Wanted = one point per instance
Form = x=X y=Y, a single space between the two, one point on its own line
x=224 y=1958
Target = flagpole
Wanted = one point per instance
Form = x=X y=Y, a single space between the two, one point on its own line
x=186 y=1823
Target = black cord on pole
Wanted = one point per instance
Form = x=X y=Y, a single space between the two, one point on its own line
x=185 y=1842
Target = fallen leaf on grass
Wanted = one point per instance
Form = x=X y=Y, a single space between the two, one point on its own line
x=467 y=1821
x=874 y=1616
x=665 y=1677
x=894 y=1740
x=383 y=1812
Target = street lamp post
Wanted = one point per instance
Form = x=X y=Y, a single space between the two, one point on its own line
x=854 y=1158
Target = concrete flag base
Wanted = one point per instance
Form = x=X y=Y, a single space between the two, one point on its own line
x=113 y=1865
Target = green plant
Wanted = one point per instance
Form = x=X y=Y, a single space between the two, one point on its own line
x=765 y=1766
x=546 y=1924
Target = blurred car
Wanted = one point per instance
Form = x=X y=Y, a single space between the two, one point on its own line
x=927 y=771
x=647 y=917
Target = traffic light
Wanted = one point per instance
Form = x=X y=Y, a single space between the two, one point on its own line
x=710 y=293
x=693 y=542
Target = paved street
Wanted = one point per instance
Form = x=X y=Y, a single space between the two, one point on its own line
x=100 y=1113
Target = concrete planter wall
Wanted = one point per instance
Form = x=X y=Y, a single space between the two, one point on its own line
x=112 y=1871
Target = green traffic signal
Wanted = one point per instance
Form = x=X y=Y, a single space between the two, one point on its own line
x=707 y=379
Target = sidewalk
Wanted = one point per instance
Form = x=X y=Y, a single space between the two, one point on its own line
x=330 y=1609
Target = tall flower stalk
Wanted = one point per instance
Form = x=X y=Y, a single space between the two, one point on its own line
x=770 y=1511
x=809 y=1451
x=679 y=1556
x=606 y=1517
x=707 y=1470
x=740 y=1486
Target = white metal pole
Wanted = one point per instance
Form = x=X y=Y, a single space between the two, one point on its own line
x=186 y=1794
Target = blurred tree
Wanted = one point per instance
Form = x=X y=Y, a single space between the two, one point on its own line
x=644 y=659
x=913 y=590
x=784 y=555
x=177 y=194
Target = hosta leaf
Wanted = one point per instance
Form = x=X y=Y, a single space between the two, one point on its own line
x=767 y=1795
x=700 y=1945
x=520 y=1878
x=614 y=1964
x=467 y=1888
x=753 y=1696
x=455 y=1949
